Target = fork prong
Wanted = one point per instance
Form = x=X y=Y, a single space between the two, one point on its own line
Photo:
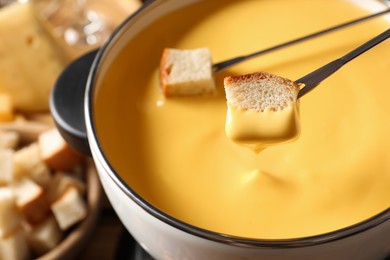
x=314 y=78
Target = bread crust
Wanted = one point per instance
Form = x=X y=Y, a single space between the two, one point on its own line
x=164 y=72
x=228 y=81
x=56 y=153
x=69 y=208
x=36 y=209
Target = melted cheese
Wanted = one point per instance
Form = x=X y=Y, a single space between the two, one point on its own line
x=258 y=130
x=175 y=154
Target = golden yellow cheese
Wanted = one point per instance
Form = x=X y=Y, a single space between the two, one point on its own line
x=30 y=62
x=175 y=153
x=260 y=129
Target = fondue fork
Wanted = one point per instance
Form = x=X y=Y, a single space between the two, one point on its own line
x=314 y=78
x=217 y=67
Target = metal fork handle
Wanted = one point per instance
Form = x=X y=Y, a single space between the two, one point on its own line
x=228 y=63
x=314 y=78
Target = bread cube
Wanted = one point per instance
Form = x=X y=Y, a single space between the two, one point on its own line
x=28 y=163
x=70 y=208
x=60 y=182
x=260 y=91
x=262 y=110
x=6 y=166
x=10 y=217
x=44 y=237
x=9 y=139
x=40 y=174
x=26 y=158
x=186 y=72
x=56 y=153
x=14 y=246
x=31 y=200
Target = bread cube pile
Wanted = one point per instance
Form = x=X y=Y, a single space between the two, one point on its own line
x=41 y=193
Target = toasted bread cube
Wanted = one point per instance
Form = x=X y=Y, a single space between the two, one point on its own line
x=44 y=237
x=260 y=91
x=14 y=246
x=69 y=209
x=56 y=153
x=27 y=162
x=6 y=166
x=25 y=159
x=10 y=218
x=40 y=174
x=31 y=200
x=60 y=182
x=9 y=139
x=186 y=72
x=262 y=110
x=6 y=108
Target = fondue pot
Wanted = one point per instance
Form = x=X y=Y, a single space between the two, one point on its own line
x=160 y=234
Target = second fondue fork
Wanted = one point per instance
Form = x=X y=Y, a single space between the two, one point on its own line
x=314 y=78
x=228 y=63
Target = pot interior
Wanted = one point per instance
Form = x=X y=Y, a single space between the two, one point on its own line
x=173 y=152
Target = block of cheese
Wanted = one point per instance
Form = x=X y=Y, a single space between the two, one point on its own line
x=30 y=60
x=6 y=107
x=10 y=218
x=14 y=246
x=6 y=166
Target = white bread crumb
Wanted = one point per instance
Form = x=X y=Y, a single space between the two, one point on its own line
x=260 y=91
x=25 y=159
x=69 y=209
x=6 y=166
x=186 y=72
x=9 y=139
x=14 y=246
x=31 y=200
x=56 y=153
x=28 y=162
x=60 y=182
x=40 y=174
x=44 y=237
x=10 y=217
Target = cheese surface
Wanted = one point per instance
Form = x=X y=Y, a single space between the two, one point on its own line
x=175 y=154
